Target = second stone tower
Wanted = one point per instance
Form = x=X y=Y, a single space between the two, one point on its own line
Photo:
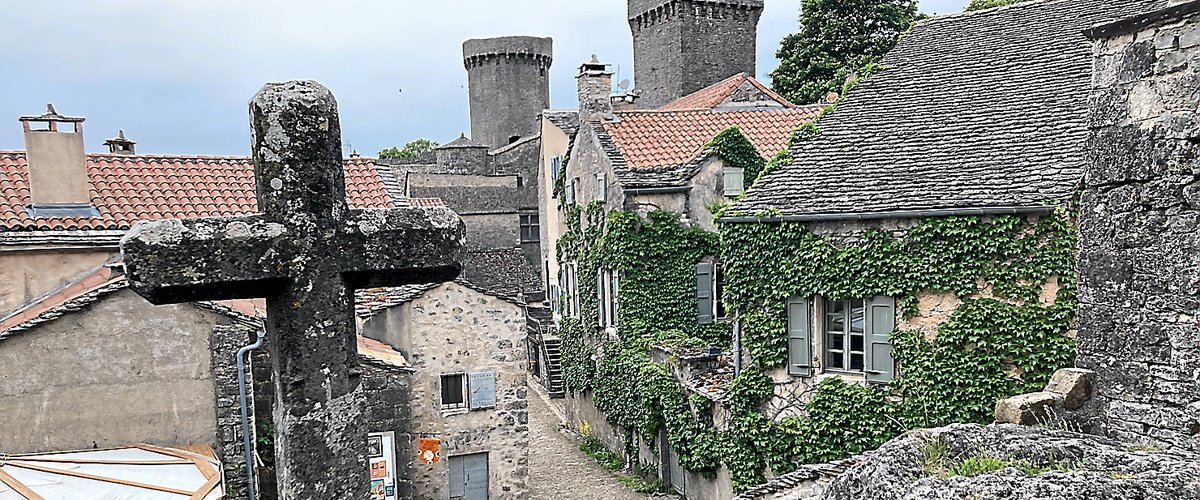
x=508 y=81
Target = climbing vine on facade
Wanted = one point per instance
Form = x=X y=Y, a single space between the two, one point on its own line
x=1012 y=279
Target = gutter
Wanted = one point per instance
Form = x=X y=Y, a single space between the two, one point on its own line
x=895 y=214
x=658 y=190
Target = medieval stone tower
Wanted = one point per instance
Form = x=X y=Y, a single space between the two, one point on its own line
x=681 y=46
x=508 y=81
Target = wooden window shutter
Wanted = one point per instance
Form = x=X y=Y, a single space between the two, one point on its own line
x=880 y=321
x=735 y=183
x=483 y=390
x=799 y=331
x=704 y=298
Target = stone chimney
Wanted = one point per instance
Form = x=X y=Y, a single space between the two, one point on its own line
x=119 y=145
x=57 y=165
x=595 y=89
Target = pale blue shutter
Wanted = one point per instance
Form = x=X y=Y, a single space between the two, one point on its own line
x=483 y=390
x=881 y=320
x=734 y=181
x=601 y=300
x=799 y=337
x=704 y=298
x=458 y=478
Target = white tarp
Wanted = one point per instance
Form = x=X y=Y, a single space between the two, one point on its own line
x=99 y=474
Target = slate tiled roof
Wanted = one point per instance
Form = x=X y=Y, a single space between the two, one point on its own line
x=125 y=189
x=779 y=487
x=715 y=94
x=983 y=109
x=425 y=202
x=501 y=271
x=567 y=121
x=655 y=139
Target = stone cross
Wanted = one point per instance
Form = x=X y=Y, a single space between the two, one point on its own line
x=306 y=252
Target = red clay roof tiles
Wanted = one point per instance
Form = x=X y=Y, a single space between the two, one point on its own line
x=126 y=189
x=715 y=94
x=655 y=139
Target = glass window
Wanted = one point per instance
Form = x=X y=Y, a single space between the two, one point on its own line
x=845 y=337
x=454 y=391
x=530 y=230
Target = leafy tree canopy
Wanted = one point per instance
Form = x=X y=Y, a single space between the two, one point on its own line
x=413 y=149
x=987 y=4
x=836 y=38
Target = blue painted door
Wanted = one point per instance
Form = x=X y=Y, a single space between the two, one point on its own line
x=469 y=477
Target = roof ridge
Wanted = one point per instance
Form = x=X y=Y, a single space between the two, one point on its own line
x=968 y=13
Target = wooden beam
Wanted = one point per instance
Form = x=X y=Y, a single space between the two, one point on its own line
x=18 y=487
x=206 y=489
x=82 y=475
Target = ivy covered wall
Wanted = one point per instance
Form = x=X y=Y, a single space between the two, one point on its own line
x=1012 y=279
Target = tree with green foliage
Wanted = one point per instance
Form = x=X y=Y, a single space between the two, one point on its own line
x=413 y=149
x=987 y=4
x=836 y=39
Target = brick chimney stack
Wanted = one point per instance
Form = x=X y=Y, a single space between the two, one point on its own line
x=57 y=165
x=595 y=89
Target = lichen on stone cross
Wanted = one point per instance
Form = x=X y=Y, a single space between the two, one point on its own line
x=305 y=252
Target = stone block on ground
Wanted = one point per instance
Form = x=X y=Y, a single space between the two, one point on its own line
x=1027 y=409
x=1074 y=385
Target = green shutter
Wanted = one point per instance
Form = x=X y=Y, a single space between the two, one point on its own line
x=704 y=287
x=799 y=337
x=881 y=320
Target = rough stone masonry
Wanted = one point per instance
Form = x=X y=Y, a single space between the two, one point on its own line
x=306 y=252
x=1139 y=291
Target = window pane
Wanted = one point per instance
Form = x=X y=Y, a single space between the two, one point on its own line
x=837 y=342
x=856 y=361
x=857 y=308
x=835 y=361
x=856 y=343
x=452 y=390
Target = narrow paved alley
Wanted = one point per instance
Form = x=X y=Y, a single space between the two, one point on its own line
x=557 y=469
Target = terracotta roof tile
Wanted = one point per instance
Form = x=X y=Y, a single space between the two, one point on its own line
x=657 y=139
x=426 y=202
x=125 y=189
x=715 y=94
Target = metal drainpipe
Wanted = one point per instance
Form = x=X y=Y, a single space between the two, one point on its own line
x=249 y=454
x=737 y=347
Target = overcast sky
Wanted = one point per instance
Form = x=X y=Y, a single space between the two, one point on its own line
x=177 y=75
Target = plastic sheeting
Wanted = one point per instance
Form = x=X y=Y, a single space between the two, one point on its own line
x=133 y=473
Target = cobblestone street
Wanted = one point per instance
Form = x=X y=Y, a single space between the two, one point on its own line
x=557 y=469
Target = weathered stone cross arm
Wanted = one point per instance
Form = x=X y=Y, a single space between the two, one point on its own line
x=221 y=258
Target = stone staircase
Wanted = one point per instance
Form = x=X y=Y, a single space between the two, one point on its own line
x=553 y=356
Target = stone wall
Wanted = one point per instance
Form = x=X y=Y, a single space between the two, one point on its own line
x=388 y=397
x=455 y=329
x=227 y=340
x=1139 y=326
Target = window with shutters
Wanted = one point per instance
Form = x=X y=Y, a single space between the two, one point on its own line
x=454 y=391
x=856 y=337
x=734 y=183
x=710 y=283
x=568 y=278
x=530 y=231
x=571 y=191
x=606 y=292
x=555 y=164
x=601 y=187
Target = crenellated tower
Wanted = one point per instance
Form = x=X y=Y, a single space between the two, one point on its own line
x=508 y=81
x=681 y=46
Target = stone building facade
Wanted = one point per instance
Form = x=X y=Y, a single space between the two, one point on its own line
x=469 y=385
x=680 y=47
x=1140 y=251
